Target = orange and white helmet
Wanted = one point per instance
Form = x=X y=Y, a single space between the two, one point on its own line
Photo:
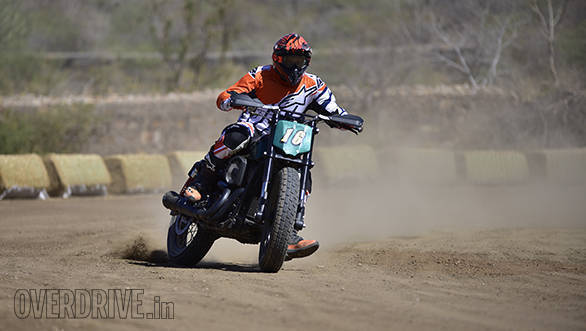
x=291 y=56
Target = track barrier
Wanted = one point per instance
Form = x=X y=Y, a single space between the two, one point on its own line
x=77 y=174
x=23 y=176
x=63 y=175
x=138 y=173
x=181 y=162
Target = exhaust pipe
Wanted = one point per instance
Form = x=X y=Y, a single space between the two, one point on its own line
x=174 y=201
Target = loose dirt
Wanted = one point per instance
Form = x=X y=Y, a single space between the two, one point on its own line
x=460 y=258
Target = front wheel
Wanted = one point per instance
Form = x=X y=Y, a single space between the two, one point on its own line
x=187 y=243
x=282 y=209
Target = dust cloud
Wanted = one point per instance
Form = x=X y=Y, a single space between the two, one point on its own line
x=397 y=204
x=141 y=248
x=401 y=201
x=376 y=211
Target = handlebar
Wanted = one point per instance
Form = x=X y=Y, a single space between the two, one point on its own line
x=350 y=122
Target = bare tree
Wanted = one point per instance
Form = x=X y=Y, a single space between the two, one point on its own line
x=183 y=43
x=228 y=28
x=477 y=45
x=503 y=36
x=460 y=62
x=548 y=28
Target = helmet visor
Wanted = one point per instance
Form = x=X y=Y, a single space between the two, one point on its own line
x=291 y=61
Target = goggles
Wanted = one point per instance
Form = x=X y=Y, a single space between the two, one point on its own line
x=294 y=60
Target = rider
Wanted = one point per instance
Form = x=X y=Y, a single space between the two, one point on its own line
x=284 y=83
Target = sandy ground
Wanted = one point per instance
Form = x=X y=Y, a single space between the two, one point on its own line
x=460 y=258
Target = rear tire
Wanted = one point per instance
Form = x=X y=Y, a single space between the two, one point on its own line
x=187 y=242
x=281 y=212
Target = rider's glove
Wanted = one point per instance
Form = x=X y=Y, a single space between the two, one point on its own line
x=337 y=125
x=334 y=125
x=225 y=105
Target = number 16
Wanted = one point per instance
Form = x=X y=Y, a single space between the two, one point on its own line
x=297 y=138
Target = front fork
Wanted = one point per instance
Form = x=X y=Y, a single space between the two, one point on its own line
x=307 y=163
x=299 y=224
x=264 y=189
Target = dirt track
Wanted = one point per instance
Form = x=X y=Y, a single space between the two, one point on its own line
x=453 y=259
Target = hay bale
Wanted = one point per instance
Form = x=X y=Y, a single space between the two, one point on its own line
x=77 y=174
x=181 y=162
x=138 y=173
x=23 y=176
x=347 y=163
x=496 y=167
x=566 y=166
x=424 y=166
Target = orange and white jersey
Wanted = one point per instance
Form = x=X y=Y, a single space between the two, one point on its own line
x=265 y=84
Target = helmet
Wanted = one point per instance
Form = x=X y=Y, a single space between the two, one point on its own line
x=291 y=56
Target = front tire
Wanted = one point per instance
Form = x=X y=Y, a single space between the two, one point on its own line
x=187 y=242
x=282 y=210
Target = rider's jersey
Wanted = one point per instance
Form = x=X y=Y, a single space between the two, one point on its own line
x=264 y=83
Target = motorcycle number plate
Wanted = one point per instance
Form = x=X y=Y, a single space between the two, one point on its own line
x=292 y=137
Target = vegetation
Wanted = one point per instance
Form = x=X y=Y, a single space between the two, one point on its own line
x=64 y=129
x=534 y=49
x=137 y=46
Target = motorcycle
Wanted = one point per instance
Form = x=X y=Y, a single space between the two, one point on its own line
x=261 y=194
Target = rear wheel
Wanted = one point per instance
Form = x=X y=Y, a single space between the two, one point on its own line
x=281 y=209
x=187 y=243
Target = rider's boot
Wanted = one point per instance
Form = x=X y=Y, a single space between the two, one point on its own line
x=202 y=180
x=299 y=247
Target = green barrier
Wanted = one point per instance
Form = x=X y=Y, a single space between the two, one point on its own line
x=23 y=176
x=77 y=174
x=181 y=162
x=138 y=173
x=496 y=167
x=347 y=163
x=424 y=166
x=566 y=166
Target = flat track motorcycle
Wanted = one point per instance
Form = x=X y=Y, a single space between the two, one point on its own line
x=261 y=192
